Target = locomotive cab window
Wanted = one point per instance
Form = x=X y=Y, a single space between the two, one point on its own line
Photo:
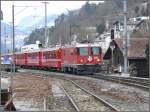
x=95 y=50
x=83 y=51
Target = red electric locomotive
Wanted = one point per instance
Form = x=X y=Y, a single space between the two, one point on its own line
x=81 y=58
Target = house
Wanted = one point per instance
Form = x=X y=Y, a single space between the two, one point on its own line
x=136 y=55
x=103 y=40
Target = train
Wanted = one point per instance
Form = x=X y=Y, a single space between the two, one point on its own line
x=77 y=59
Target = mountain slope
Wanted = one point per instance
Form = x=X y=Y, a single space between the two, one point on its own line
x=28 y=24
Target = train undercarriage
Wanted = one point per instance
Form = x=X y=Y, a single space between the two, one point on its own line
x=82 y=69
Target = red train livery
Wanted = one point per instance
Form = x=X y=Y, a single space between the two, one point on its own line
x=81 y=58
x=85 y=57
x=41 y=59
x=51 y=58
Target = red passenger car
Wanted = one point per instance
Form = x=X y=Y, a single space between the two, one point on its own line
x=51 y=58
x=21 y=59
x=80 y=58
x=34 y=59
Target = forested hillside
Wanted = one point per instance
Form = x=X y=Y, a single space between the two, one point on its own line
x=90 y=20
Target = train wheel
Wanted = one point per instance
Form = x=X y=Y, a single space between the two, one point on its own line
x=74 y=71
x=70 y=70
x=66 y=69
x=77 y=72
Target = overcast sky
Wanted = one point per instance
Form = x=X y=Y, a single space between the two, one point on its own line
x=53 y=7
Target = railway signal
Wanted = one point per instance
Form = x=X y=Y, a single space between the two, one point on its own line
x=112 y=34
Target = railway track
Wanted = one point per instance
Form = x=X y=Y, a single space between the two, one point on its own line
x=81 y=99
x=70 y=78
x=142 y=83
x=84 y=100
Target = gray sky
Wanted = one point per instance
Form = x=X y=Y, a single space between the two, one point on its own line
x=54 y=7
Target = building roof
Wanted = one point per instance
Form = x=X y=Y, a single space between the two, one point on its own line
x=136 y=48
x=139 y=34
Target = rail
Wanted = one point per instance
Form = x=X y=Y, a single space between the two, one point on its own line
x=71 y=100
x=136 y=82
x=142 y=83
x=95 y=96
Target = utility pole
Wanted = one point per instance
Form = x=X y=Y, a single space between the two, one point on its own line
x=13 y=69
x=125 y=50
x=5 y=39
x=1 y=18
x=149 y=47
x=70 y=31
x=0 y=54
x=46 y=37
x=70 y=25
x=13 y=40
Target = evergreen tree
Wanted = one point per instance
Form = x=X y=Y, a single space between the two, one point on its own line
x=100 y=28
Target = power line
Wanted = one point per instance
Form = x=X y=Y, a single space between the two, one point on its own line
x=20 y=11
x=26 y=6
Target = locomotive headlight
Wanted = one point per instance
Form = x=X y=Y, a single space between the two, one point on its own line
x=81 y=60
x=98 y=60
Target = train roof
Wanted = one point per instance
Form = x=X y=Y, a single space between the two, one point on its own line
x=30 y=51
x=37 y=50
x=56 y=48
x=51 y=49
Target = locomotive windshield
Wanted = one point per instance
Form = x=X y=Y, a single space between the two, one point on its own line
x=83 y=51
x=95 y=50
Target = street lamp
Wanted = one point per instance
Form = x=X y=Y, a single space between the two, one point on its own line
x=112 y=47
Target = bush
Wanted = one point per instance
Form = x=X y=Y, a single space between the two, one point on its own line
x=133 y=70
